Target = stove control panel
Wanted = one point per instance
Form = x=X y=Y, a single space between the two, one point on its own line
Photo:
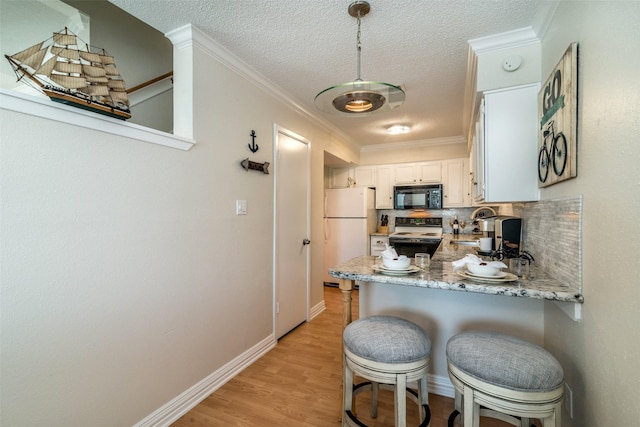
x=418 y=222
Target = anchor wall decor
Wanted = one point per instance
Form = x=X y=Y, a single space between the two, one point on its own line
x=253 y=146
x=248 y=164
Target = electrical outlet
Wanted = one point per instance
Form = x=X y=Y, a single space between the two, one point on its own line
x=568 y=400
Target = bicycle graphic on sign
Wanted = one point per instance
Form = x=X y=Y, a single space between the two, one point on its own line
x=555 y=154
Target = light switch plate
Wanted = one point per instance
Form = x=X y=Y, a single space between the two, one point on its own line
x=241 y=207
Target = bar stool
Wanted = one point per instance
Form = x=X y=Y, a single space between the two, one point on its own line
x=390 y=351
x=500 y=376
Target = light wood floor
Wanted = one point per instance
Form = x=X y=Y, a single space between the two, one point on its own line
x=298 y=383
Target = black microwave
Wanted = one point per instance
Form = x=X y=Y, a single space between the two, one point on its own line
x=417 y=197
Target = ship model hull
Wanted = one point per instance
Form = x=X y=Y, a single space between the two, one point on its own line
x=85 y=104
x=81 y=78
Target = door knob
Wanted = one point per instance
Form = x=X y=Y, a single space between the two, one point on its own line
x=306 y=242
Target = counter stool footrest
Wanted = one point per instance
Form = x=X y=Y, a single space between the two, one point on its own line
x=373 y=386
x=452 y=417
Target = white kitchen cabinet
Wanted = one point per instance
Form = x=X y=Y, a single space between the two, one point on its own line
x=430 y=172
x=507 y=146
x=378 y=244
x=340 y=177
x=418 y=173
x=476 y=161
x=455 y=183
x=405 y=173
x=384 y=187
x=365 y=176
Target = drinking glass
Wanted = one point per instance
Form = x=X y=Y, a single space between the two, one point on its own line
x=463 y=224
x=422 y=260
x=519 y=267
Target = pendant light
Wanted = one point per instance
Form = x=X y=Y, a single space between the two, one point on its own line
x=359 y=97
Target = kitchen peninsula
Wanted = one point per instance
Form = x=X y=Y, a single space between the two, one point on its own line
x=511 y=307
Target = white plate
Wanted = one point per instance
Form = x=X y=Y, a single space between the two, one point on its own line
x=500 y=275
x=384 y=267
x=384 y=270
x=507 y=278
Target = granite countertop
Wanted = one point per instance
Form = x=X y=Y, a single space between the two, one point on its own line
x=440 y=275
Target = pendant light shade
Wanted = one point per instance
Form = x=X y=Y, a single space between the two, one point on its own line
x=359 y=97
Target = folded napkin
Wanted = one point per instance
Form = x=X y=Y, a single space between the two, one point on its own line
x=474 y=259
x=389 y=253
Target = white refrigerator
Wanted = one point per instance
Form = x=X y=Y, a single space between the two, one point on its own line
x=349 y=219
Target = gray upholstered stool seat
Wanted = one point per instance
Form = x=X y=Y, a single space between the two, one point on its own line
x=504 y=377
x=390 y=351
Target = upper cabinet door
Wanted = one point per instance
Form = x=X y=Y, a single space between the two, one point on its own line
x=384 y=187
x=455 y=182
x=429 y=172
x=340 y=177
x=418 y=173
x=405 y=173
x=365 y=176
x=511 y=144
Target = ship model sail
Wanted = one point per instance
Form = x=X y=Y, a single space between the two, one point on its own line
x=69 y=75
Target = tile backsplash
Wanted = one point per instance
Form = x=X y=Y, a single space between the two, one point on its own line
x=552 y=233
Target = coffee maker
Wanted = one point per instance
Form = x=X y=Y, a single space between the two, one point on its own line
x=506 y=232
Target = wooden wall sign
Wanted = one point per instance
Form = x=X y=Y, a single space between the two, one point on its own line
x=558 y=111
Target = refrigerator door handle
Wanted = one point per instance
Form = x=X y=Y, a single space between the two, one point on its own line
x=326 y=229
x=326 y=197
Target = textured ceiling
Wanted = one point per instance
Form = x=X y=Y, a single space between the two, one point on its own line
x=303 y=47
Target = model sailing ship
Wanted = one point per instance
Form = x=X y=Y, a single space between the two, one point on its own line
x=73 y=76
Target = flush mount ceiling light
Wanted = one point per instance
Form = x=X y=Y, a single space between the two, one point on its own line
x=398 y=129
x=359 y=97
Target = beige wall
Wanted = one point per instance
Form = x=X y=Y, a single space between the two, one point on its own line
x=126 y=276
x=601 y=355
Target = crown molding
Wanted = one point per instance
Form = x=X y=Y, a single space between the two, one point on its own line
x=188 y=35
x=544 y=16
x=414 y=144
x=503 y=41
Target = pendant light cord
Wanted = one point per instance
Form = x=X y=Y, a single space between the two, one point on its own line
x=359 y=49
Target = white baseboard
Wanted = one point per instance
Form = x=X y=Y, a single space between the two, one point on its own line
x=190 y=398
x=441 y=386
x=174 y=409
x=316 y=310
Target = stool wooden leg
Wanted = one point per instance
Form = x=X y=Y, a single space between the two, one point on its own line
x=347 y=393
x=471 y=414
x=555 y=419
x=375 y=387
x=458 y=403
x=423 y=396
x=400 y=393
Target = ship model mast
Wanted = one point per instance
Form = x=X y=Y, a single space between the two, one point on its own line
x=73 y=76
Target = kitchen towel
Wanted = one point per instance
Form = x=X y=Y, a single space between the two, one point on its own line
x=474 y=259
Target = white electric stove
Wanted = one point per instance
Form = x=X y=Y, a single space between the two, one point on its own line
x=414 y=235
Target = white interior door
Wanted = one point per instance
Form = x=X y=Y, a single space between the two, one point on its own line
x=291 y=244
